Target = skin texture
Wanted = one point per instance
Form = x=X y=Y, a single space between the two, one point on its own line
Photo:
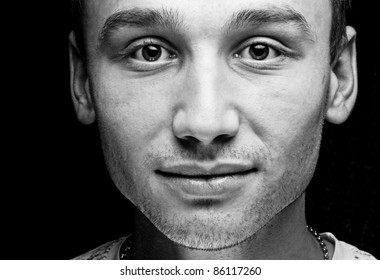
x=208 y=102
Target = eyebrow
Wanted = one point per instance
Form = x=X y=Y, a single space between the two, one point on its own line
x=171 y=19
x=255 y=17
x=136 y=17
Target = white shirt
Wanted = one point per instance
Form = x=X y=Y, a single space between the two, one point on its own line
x=345 y=251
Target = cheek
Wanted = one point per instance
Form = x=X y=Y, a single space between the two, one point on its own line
x=286 y=112
x=134 y=112
x=130 y=116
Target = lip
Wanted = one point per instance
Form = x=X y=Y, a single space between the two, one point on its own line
x=195 y=169
x=191 y=180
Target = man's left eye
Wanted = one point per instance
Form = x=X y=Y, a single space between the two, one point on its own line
x=259 y=52
x=152 y=53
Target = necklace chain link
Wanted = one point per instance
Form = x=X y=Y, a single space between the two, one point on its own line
x=322 y=244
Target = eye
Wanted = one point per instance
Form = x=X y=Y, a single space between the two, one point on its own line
x=152 y=53
x=259 y=52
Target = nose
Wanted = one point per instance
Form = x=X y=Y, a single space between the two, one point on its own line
x=206 y=113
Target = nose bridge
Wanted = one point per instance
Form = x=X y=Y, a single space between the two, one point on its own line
x=206 y=112
x=205 y=99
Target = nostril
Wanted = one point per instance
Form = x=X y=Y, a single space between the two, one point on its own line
x=206 y=124
x=188 y=142
x=223 y=138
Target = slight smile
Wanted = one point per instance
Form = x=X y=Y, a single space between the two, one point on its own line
x=211 y=181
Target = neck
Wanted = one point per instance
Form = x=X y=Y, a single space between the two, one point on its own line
x=284 y=237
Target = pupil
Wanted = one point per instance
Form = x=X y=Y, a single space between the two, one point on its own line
x=259 y=52
x=151 y=52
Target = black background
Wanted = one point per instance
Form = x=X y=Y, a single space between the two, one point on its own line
x=56 y=197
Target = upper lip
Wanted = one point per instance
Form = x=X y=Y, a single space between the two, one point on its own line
x=197 y=169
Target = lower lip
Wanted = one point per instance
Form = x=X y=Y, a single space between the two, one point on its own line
x=212 y=187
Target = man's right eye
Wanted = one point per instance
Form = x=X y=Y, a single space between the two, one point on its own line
x=152 y=53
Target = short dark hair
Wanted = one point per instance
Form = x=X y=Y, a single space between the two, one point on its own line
x=338 y=36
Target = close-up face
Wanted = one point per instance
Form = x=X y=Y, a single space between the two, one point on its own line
x=210 y=112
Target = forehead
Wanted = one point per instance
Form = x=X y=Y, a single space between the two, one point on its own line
x=208 y=15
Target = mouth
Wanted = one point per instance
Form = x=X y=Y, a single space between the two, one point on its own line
x=205 y=170
x=204 y=176
x=201 y=181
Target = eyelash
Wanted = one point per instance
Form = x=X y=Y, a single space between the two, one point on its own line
x=284 y=53
x=139 y=44
x=135 y=46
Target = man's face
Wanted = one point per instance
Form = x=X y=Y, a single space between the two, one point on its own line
x=210 y=112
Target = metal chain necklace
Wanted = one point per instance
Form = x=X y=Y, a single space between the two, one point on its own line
x=126 y=248
x=322 y=244
x=128 y=242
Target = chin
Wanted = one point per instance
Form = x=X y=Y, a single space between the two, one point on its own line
x=207 y=234
x=211 y=229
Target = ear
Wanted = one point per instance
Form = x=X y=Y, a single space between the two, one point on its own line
x=80 y=90
x=343 y=82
